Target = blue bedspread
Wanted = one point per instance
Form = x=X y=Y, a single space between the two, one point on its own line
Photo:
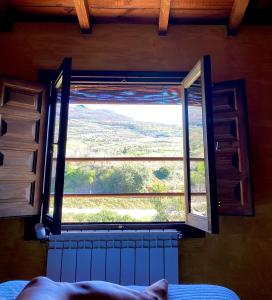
x=10 y=289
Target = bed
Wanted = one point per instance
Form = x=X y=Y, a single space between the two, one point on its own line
x=10 y=289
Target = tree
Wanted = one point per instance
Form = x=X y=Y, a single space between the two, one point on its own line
x=162 y=173
x=77 y=180
x=124 y=179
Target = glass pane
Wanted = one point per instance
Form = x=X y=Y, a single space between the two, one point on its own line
x=52 y=181
x=51 y=205
x=195 y=121
x=198 y=205
x=124 y=130
x=55 y=152
x=197 y=176
x=123 y=209
x=119 y=177
x=57 y=120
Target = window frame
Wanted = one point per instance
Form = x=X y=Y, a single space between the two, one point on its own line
x=126 y=77
x=201 y=71
x=61 y=79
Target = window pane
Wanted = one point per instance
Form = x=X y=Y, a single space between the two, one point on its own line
x=119 y=177
x=51 y=205
x=53 y=179
x=55 y=151
x=197 y=176
x=195 y=122
x=57 y=120
x=124 y=130
x=123 y=209
x=198 y=204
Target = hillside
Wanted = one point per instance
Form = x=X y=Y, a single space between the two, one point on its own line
x=103 y=132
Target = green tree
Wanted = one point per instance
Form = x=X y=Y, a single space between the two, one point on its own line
x=162 y=173
x=77 y=180
x=124 y=179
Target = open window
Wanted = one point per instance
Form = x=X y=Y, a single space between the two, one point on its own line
x=200 y=177
x=56 y=146
x=166 y=161
x=127 y=157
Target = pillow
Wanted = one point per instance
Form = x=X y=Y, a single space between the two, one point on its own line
x=43 y=288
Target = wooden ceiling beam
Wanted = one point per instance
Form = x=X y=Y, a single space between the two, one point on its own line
x=164 y=16
x=6 y=17
x=236 y=16
x=83 y=15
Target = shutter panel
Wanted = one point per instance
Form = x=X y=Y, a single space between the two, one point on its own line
x=234 y=189
x=22 y=117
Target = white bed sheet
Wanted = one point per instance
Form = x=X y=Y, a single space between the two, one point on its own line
x=10 y=289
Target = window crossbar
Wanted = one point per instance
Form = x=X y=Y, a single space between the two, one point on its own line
x=86 y=159
x=133 y=195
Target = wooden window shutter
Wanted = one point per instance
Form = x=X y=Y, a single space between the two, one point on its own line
x=234 y=189
x=22 y=117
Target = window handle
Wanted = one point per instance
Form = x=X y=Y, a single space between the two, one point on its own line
x=217 y=147
x=3 y=127
x=1 y=159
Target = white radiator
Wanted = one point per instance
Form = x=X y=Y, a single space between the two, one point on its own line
x=127 y=257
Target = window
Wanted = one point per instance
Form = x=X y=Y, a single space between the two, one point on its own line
x=124 y=154
x=222 y=141
x=134 y=150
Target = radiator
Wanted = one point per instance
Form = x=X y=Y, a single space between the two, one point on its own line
x=127 y=257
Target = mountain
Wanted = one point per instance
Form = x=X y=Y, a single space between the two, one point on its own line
x=105 y=118
x=97 y=115
x=102 y=132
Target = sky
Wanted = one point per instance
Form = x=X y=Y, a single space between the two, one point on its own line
x=167 y=114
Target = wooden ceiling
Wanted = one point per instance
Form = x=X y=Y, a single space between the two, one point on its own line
x=161 y=12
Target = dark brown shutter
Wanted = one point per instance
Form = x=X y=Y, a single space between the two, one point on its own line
x=234 y=192
x=22 y=110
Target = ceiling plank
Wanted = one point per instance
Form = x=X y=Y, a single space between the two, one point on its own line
x=236 y=16
x=164 y=16
x=83 y=15
x=6 y=17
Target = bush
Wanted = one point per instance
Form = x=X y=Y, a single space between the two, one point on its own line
x=158 y=187
x=125 y=179
x=77 y=180
x=102 y=216
x=162 y=173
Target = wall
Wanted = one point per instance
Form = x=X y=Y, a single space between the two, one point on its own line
x=240 y=256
